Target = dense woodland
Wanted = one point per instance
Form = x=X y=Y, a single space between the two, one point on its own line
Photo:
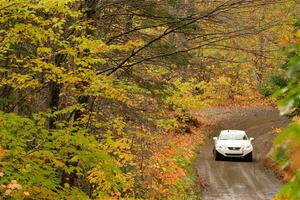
x=95 y=94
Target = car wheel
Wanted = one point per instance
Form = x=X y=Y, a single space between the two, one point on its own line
x=249 y=157
x=218 y=156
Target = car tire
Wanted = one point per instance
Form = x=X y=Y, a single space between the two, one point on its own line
x=249 y=157
x=218 y=156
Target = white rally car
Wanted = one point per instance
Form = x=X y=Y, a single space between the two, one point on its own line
x=233 y=143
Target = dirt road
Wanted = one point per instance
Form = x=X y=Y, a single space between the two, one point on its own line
x=236 y=179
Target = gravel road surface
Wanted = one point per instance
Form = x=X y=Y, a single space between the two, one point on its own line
x=235 y=179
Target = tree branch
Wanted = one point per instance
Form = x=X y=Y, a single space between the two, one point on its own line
x=218 y=9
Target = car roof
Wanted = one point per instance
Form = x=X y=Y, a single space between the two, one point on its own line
x=232 y=132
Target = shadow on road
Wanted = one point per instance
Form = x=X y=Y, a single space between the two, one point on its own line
x=233 y=159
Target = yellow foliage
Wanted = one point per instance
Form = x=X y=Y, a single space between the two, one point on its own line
x=58 y=164
x=161 y=171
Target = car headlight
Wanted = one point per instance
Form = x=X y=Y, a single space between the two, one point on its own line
x=221 y=147
x=248 y=147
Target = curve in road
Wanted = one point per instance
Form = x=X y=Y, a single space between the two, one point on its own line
x=235 y=179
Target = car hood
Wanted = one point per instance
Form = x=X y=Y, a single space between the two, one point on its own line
x=233 y=143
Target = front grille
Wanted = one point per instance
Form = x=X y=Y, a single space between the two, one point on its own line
x=233 y=154
x=234 y=148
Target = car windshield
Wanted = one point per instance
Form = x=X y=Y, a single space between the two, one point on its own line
x=234 y=136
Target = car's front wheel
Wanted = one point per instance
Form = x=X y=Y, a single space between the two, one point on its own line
x=218 y=156
x=249 y=157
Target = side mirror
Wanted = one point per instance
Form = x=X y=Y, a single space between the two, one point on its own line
x=251 y=139
x=215 y=138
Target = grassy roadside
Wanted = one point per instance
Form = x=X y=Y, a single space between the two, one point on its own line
x=177 y=177
x=174 y=176
x=190 y=186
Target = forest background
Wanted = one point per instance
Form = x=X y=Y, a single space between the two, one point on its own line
x=95 y=95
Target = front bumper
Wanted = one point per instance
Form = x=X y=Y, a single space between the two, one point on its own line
x=234 y=153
